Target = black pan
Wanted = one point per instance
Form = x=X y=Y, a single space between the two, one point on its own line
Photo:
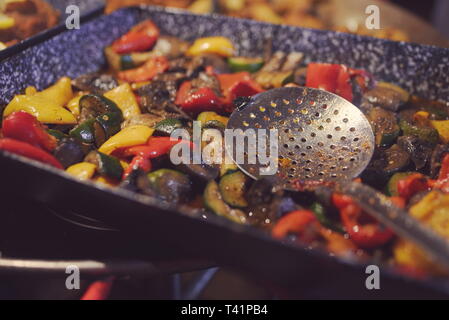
x=420 y=69
x=88 y=9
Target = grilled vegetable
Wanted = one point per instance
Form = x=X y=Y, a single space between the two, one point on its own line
x=420 y=151
x=59 y=135
x=82 y=171
x=146 y=72
x=167 y=126
x=238 y=64
x=442 y=126
x=93 y=106
x=392 y=186
x=233 y=188
x=217 y=45
x=227 y=168
x=265 y=202
x=123 y=96
x=321 y=215
x=203 y=172
x=140 y=38
x=387 y=96
x=384 y=164
x=89 y=132
x=24 y=127
x=206 y=117
x=107 y=166
x=293 y=223
x=27 y=150
x=385 y=126
x=128 y=137
x=170 y=186
x=69 y=152
x=95 y=83
x=424 y=133
x=365 y=235
x=214 y=201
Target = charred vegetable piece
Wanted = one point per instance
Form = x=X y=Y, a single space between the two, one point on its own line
x=238 y=64
x=111 y=123
x=438 y=110
x=387 y=96
x=95 y=83
x=170 y=185
x=436 y=160
x=167 y=126
x=202 y=62
x=227 y=168
x=424 y=133
x=69 y=152
x=419 y=150
x=233 y=188
x=107 y=166
x=385 y=125
x=268 y=80
x=202 y=171
x=214 y=201
x=292 y=61
x=264 y=202
x=92 y=106
x=384 y=164
x=321 y=214
x=392 y=186
x=89 y=132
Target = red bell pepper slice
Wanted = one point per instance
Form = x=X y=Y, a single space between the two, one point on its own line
x=155 y=148
x=202 y=99
x=367 y=235
x=237 y=85
x=140 y=38
x=412 y=185
x=99 y=290
x=334 y=78
x=138 y=162
x=148 y=71
x=295 y=222
x=25 y=127
x=27 y=150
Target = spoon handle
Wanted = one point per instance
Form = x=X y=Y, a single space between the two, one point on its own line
x=380 y=207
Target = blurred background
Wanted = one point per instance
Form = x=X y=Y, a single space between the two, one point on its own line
x=417 y=21
x=402 y=20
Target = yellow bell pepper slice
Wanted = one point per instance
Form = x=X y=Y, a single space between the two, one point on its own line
x=218 y=45
x=201 y=6
x=442 y=126
x=128 y=137
x=106 y=182
x=205 y=117
x=82 y=171
x=45 y=110
x=60 y=93
x=125 y=99
x=6 y=22
x=74 y=105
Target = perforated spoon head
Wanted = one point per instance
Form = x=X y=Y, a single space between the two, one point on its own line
x=321 y=136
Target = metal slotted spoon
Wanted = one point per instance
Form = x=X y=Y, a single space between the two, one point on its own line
x=325 y=140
